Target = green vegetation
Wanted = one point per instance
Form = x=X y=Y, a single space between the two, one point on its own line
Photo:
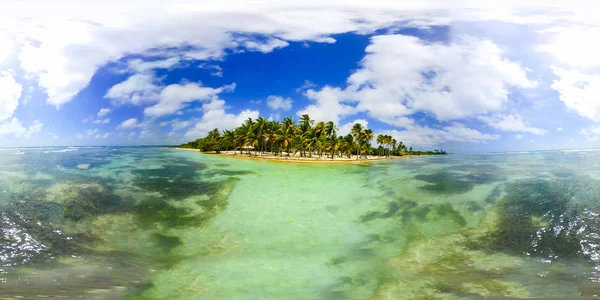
x=306 y=138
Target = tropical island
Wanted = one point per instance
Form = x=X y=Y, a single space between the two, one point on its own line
x=305 y=141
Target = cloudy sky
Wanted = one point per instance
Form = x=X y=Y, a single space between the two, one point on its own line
x=466 y=76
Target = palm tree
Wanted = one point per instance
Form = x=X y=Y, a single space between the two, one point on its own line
x=330 y=129
x=380 y=141
x=229 y=139
x=260 y=130
x=253 y=138
x=305 y=131
x=272 y=127
x=357 y=131
x=304 y=137
x=285 y=137
x=368 y=137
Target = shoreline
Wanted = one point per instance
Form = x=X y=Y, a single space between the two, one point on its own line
x=295 y=159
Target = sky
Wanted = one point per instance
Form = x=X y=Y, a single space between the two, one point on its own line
x=464 y=76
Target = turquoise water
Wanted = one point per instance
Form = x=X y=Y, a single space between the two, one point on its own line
x=154 y=223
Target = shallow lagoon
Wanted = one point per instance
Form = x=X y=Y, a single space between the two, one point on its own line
x=153 y=223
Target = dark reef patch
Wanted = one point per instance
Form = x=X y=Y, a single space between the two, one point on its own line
x=459 y=179
x=409 y=212
x=86 y=202
x=552 y=219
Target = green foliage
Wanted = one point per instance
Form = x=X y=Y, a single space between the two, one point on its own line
x=306 y=138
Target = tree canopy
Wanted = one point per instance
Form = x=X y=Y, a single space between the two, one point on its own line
x=306 y=138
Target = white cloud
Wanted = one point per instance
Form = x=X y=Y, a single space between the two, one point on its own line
x=101 y=121
x=346 y=128
x=12 y=127
x=576 y=46
x=328 y=106
x=10 y=92
x=518 y=136
x=103 y=112
x=91 y=132
x=279 y=103
x=64 y=48
x=579 y=92
x=138 y=89
x=140 y=66
x=174 y=96
x=35 y=127
x=129 y=124
x=265 y=47
x=6 y=46
x=87 y=133
x=425 y=136
x=592 y=133
x=102 y=136
x=307 y=85
x=217 y=70
x=403 y=74
x=178 y=124
x=559 y=129
x=215 y=116
x=512 y=123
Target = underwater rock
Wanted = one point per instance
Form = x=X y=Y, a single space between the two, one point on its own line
x=83 y=166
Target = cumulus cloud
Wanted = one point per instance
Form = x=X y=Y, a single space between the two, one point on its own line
x=64 y=48
x=87 y=133
x=102 y=136
x=138 y=89
x=12 y=127
x=15 y=128
x=511 y=122
x=10 y=92
x=402 y=74
x=141 y=66
x=346 y=128
x=591 y=133
x=129 y=124
x=279 y=103
x=101 y=121
x=215 y=116
x=426 y=136
x=6 y=46
x=103 y=112
x=575 y=45
x=328 y=106
x=579 y=92
x=173 y=97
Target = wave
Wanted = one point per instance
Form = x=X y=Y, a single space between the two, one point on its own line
x=580 y=150
x=15 y=153
x=62 y=150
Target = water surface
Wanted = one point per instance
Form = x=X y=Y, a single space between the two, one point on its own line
x=153 y=223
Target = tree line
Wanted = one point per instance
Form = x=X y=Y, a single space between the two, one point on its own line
x=306 y=138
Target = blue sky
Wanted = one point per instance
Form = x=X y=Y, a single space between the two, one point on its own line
x=472 y=79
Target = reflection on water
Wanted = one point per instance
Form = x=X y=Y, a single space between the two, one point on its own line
x=153 y=223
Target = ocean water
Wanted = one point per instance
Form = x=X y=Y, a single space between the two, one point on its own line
x=154 y=223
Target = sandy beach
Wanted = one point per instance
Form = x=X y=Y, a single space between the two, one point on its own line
x=296 y=158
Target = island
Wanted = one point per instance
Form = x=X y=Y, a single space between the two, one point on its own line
x=305 y=142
